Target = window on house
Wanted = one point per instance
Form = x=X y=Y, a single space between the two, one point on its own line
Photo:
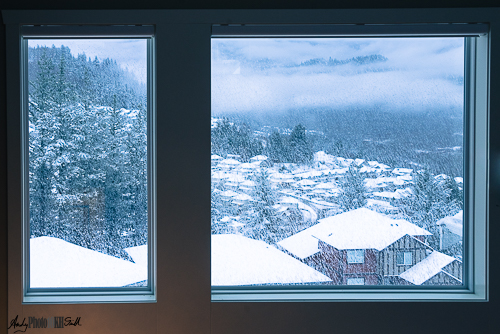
x=356 y=256
x=356 y=281
x=87 y=116
x=404 y=258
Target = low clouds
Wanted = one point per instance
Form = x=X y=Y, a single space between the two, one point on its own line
x=420 y=74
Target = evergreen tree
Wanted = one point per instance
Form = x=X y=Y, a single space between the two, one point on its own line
x=277 y=148
x=427 y=204
x=264 y=224
x=353 y=194
x=300 y=150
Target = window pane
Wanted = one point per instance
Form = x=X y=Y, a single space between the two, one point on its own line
x=356 y=281
x=88 y=200
x=356 y=256
x=322 y=146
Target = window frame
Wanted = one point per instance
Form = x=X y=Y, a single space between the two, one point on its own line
x=402 y=255
x=98 y=294
x=183 y=266
x=476 y=51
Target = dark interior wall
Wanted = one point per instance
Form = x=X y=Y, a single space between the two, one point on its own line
x=242 y=4
x=445 y=318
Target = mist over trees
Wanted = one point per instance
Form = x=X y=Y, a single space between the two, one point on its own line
x=87 y=151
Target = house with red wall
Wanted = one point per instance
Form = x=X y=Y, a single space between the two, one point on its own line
x=363 y=247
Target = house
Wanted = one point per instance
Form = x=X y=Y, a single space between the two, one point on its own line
x=365 y=247
x=450 y=233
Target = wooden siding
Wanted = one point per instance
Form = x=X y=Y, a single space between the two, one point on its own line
x=455 y=269
x=442 y=278
x=387 y=258
x=333 y=263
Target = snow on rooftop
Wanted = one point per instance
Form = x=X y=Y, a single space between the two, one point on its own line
x=364 y=229
x=237 y=260
x=258 y=158
x=321 y=156
x=453 y=223
x=402 y=171
x=228 y=162
x=427 y=268
x=398 y=194
x=375 y=202
x=229 y=193
x=55 y=263
x=139 y=254
x=326 y=185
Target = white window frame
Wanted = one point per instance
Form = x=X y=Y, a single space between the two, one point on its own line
x=105 y=294
x=185 y=302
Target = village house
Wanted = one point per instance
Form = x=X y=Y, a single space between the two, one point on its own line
x=363 y=247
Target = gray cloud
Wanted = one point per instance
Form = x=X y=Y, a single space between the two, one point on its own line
x=263 y=74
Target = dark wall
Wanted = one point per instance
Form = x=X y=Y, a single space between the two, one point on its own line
x=446 y=317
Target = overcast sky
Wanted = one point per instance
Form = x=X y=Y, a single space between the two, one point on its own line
x=130 y=54
x=266 y=74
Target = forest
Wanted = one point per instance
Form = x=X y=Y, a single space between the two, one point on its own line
x=87 y=151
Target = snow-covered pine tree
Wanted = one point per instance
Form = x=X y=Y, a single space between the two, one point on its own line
x=353 y=194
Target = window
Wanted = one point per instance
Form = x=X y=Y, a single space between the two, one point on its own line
x=404 y=258
x=88 y=121
x=356 y=256
x=183 y=61
x=311 y=152
x=356 y=281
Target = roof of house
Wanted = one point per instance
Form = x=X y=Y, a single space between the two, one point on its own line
x=427 y=268
x=364 y=229
x=453 y=223
x=55 y=263
x=237 y=260
x=356 y=229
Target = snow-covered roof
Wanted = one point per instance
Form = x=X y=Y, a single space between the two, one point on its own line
x=56 y=263
x=229 y=193
x=402 y=171
x=379 y=203
x=356 y=229
x=327 y=185
x=258 y=158
x=427 y=268
x=237 y=260
x=398 y=194
x=364 y=229
x=229 y=162
x=139 y=254
x=453 y=223
x=310 y=174
x=321 y=156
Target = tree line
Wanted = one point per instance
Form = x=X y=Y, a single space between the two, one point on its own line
x=87 y=151
x=239 y=139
